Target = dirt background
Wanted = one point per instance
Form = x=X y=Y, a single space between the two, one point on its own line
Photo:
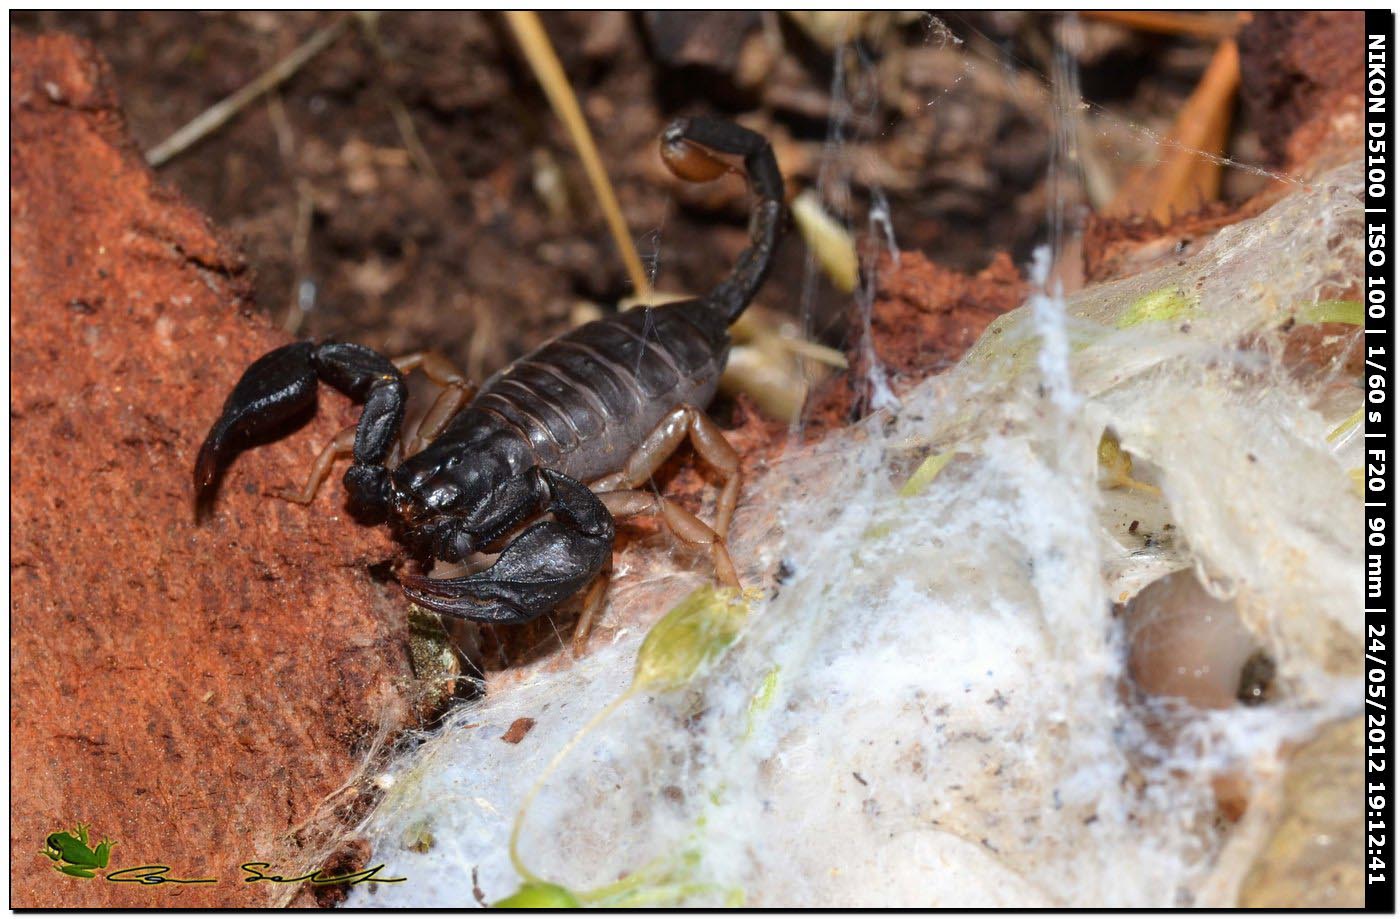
x=318 y=186
x=204 y=693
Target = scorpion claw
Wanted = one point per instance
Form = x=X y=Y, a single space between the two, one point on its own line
x=275 y=389
x=280 y=386
x=545 y=565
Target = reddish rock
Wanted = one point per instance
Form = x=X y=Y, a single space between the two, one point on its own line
x=1125 y=246
x=195 y=692
x=1299 y=71
x=924 y=319
x=518 y=729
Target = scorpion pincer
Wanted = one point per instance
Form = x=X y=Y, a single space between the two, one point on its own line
x=604 y=404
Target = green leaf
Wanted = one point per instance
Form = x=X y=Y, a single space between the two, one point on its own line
x=1157 y=306
x=539 y=895
x=699 y=629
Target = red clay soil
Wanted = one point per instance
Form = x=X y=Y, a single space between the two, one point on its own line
x=923 y=320
x=1124 y=246
x=191 y=691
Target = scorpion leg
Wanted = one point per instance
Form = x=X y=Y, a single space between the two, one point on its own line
x=343 y=444
x=546 y=564
x=281 y=385
x=437 y=366
x=665 y=438
x=687 y=527
x=592 y=605
x=457 y=390
x=711 y=443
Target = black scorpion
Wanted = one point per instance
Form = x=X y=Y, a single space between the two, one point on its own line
x=604 y=404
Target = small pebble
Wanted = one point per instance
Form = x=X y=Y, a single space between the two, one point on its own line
x=518 y=729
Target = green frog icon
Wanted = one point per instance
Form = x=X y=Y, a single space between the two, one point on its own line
x=71 y=854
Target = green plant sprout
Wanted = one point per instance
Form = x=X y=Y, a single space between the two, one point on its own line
x=1158 y=306
x=692 y=635
x=763 y=698
x=1117 y=466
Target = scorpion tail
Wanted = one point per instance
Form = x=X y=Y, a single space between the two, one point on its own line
x=686 y=147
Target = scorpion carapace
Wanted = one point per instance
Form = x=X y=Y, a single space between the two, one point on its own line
x=604 y=404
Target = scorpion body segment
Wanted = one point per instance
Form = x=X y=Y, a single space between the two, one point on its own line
x=583 y=401
x=602 y=404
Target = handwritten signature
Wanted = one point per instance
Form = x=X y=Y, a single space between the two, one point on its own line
x=358 y=877
x=153 y=875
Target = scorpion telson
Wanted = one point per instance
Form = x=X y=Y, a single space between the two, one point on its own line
x=604 y=404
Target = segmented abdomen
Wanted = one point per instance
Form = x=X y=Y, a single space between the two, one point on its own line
x=585 y=401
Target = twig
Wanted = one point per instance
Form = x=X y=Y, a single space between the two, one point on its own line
x=1189 y=173
x=220 y=112
x=1198 y=25
x=535 y=44
x=282 y=127
x=301 y=238
x=483 y=338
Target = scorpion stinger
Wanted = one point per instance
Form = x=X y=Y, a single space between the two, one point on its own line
x=683 y=149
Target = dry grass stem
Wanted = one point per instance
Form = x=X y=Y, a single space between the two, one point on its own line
x=539 y=53
x=214 y=117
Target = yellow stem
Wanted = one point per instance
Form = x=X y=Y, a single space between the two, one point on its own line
x=535 y=44
x=534 y=791
x=1352 y=421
